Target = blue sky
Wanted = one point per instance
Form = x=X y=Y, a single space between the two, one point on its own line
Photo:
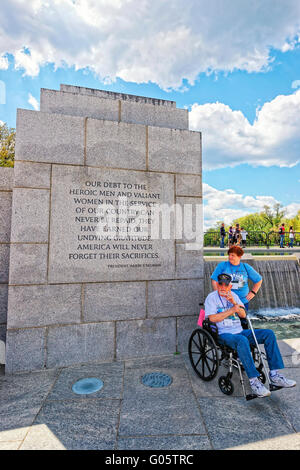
x=235 y=67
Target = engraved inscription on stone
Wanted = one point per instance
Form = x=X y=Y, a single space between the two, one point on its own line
x=100 y=227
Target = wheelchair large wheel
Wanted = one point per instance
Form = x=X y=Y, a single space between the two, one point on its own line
x=203 y=354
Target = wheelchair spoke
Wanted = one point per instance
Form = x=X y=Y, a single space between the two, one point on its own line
x=211 y=359
x=196 y=345
x=200 y=341
x=207 y=365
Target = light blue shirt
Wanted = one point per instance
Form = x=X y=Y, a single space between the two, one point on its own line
x=239 y=277
x=215 y=304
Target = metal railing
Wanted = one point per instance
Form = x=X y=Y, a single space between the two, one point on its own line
x=259 y=238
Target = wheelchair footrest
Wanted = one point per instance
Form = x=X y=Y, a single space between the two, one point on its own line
x=251 y=396
x=274 y=388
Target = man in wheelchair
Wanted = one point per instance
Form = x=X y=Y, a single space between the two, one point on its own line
x=225 y=309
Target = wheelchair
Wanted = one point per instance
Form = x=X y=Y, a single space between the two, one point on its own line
x=206 y=354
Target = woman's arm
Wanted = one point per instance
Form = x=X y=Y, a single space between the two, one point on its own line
x=255 y=288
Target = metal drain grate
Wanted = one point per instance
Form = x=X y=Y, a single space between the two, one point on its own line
x=87 y=386
x=156 y=380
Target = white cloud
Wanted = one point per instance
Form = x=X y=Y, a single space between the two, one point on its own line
x=3 y=63
x=148 y=40
x=229 y=139
x=33 y=102
x=296 y=84
x=228 y=205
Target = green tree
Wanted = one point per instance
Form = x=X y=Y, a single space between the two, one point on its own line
x=273 y=216
x=252 y=222
x=7 y=145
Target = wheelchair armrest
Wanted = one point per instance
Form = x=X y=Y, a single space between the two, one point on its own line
x=211 y=328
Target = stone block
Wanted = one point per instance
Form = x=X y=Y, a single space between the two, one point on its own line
x=4 y=262
x=6 y=178
x=150 y=337
x=5 y=216
x=189 y=221
x=74 y=104
x=149 y=115
x=3 y=303
x=30 y=215
x=174 y=150
x=91 y=248
x=32 y=175
x=116 y=144
x=114 y=301
x=189 y=263
x=78 y=344
x=25 y=350
x=174 y=298
x=116 y=96
x=185 y=327
x=28 y=263
x=43 y=305
x=49 y=138
x=188 y=185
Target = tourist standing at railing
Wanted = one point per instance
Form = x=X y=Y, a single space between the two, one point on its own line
x=230 y=236
x=291 y=237
x=222 y=235
x=240 y=274
x=281 y=233
x=244 y=237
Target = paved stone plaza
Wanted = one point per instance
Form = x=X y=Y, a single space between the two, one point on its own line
x=39 y=410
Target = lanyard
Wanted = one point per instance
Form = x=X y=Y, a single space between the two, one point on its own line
x=227 y=302
x=233 y=274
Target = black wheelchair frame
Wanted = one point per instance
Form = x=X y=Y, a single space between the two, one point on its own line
x=207 y=354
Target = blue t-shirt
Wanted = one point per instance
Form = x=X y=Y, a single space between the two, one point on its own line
x=215 y=303
x=239 y=277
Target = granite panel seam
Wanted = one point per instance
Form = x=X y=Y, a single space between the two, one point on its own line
x=63 y=325
x=49 y=224
x=115 y=168
x=111 y=282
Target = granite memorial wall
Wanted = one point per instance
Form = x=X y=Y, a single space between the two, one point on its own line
x=106 y=260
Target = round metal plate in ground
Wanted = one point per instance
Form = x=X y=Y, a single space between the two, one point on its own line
x=156 y=380
x=87 y=386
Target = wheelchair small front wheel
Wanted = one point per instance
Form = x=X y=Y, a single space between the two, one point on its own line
x=203 y=354
x=226 y=386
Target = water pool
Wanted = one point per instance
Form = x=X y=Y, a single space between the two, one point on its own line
x=285 y=322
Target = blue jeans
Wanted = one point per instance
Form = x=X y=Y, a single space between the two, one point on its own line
x=241 y=343
x=281 y=241
x=222 y=241
x=291 y=243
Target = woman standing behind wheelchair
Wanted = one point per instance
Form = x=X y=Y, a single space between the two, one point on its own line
x=240 y=273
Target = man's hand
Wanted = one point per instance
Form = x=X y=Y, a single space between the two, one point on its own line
x=230 y=298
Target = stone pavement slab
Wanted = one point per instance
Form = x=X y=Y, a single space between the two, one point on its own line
x=288 y=401
x=77 y=424
x=168 y=410
x=111 y=375
x=21 y=398
x=234 y=421
x=164 y=443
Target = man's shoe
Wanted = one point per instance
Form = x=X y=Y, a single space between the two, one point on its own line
x=280 y=381
x=259 y=389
